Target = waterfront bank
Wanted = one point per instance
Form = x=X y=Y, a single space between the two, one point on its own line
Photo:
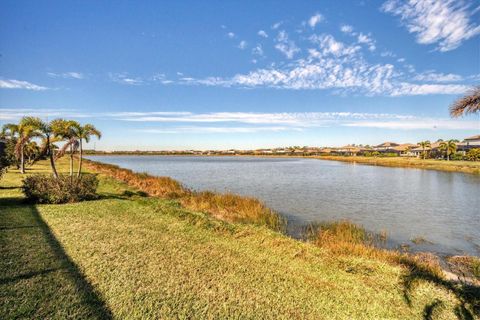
x=126 y=255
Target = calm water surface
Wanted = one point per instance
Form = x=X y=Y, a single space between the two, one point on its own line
x=442 y=207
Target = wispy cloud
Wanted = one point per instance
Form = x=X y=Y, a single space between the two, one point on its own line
x=418 y=124
x=367 y=40
x=438 y=77
x=333 y=64
x=277 y=25
x=123 y=78
x=17 y=113
x=315 y=19
x=246 y=122
x=67 y=75
x=176 y=130
x=445 y=23
x=18 y=84
x=346 y=28
x=242 y=45
x=285 y=45
x=231 y=35
x=262 y=34
x=301 y=119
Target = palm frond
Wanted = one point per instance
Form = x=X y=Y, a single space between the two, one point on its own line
x=467 y=104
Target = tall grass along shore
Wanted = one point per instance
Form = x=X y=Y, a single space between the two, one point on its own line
x=408 y=162
x=150 y=248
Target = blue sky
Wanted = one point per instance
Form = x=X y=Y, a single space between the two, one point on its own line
x=242 y=74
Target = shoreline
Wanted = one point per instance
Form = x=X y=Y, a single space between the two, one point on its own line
x=159 y=231
x=469 y=167
x=388 y=245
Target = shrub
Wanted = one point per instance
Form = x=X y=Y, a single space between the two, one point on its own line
x=46 y=189
x=456 y=156
x=473 y=154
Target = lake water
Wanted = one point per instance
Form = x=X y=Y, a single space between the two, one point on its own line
x=442 y=207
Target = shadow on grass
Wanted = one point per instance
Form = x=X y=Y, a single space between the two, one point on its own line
x=20 y=219
x=9 y=188
x=467 y=294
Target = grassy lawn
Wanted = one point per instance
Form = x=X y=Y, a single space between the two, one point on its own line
x=127 y=256
x=432 y=164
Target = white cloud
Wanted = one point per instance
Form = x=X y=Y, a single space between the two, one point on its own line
x=199 y=129
x=242 y=45
x=418 y=124
x=123 y=78
x=67 y=75
x=315 y=19
x=410 y=89
x=277 y=25
x=445 y=23
x=258 y=50
x=246 y=122
x=18 y=84
x=346 y=28
x=341 y=67
x=329 y=45
x=387 y=53
x=17 y=113
x=285 y=45
x=367 y=40
x=262 y=33
x=438 y=77
x=231 y=35
x=301 y=119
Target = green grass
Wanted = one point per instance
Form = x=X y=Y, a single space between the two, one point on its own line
x=128 y=256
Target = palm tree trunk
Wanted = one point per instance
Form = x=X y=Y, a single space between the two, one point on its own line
x=80 y=160
x=71 y=160
x=22 y=161
x=52 y=162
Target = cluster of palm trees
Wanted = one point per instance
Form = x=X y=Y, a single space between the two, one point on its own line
x=448 y=147
x=69 y=132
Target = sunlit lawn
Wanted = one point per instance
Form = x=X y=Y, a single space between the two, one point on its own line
x=128 y=256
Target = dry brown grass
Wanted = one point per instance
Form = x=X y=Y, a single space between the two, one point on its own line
x=234 y=208
x=346 y=238
x=225 y=206
x=163 y=187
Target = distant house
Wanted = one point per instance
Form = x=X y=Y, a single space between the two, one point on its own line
x=386 y=147
x=263 y=151
x=326 y=150
x=280 y=151
x=469 y=143
x=417 y=151
x=298 y=152
x=348 y=150
x=404 y=149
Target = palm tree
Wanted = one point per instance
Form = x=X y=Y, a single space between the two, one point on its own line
x=45 y=132
x=24 y=131
x=449 y=147
x=424 y=145
x=467 y=104
x=32 y=151
x=84 y=133
x=65 y=130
